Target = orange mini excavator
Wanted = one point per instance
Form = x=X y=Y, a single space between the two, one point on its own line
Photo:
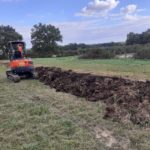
x=20 y=66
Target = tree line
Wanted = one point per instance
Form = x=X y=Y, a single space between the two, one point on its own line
x=45 y=38
x=135 y=38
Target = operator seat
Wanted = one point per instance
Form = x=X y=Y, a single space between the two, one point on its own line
x=17 y=55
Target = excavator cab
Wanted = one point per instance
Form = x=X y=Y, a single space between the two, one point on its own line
x=20 y=66
x=16 y=50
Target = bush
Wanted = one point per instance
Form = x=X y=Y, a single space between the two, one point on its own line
x=63 y=53
x=143 y=54
x=38 y=54
x=107 y=52
x=97 y=54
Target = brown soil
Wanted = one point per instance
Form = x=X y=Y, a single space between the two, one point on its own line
x=126 y=100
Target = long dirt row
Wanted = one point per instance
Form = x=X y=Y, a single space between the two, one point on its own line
x=126 y=100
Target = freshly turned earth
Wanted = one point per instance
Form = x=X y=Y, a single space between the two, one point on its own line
x=126 y=100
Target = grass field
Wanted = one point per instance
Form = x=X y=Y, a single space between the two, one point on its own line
x=34 y=117
x=136 y=69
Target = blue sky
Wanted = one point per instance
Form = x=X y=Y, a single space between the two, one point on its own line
x=81 y=21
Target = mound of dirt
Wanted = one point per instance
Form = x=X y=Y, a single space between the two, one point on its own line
x=125 y=100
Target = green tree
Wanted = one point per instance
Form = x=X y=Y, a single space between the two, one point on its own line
x=143 y=38
x=146 y=37
x=44 y=38
x=130 y=39
x=8 y=33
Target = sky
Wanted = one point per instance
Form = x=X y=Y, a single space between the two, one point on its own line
x=80 y=21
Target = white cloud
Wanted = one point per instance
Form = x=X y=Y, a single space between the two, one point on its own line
x=102 y=8
x=128 y=17
x=130 y=13
x=94 y=32
x=130 y=9
x=98 y=8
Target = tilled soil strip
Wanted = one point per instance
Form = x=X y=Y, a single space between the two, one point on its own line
x=125 y=100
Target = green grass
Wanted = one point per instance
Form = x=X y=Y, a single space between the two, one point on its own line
x=136 y=69
x=35 y=117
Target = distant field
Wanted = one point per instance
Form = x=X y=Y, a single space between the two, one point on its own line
x=136 y=69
